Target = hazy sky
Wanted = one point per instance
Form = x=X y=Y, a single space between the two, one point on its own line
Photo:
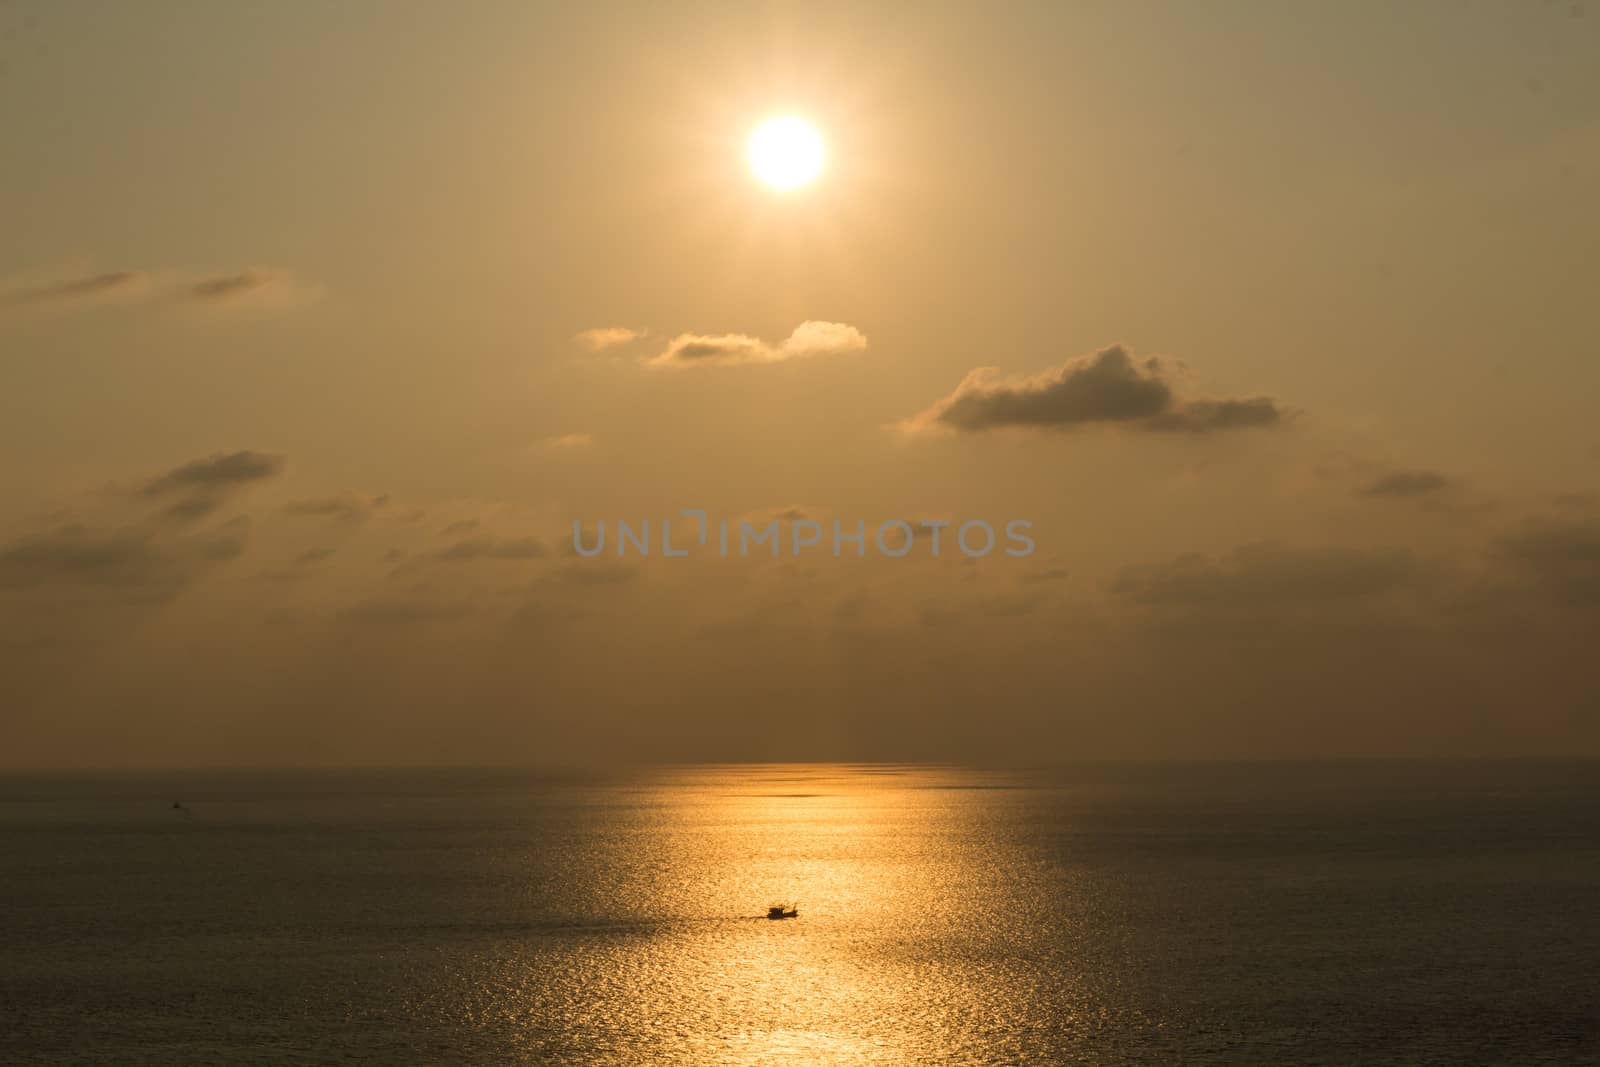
x=321 y=322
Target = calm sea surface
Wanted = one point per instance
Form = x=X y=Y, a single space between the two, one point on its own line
x=1130 y=914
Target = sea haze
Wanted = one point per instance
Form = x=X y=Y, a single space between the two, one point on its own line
x=1250 y=913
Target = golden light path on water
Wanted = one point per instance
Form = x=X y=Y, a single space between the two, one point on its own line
x=921 y=933
x=1093 y=914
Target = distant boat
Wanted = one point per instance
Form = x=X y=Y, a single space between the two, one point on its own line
x=783 y=911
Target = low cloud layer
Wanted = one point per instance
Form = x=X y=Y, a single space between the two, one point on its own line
x=139 y=561
x=1270 y=574
x=810 y=338
x=1562 y=556
x=1109 y=386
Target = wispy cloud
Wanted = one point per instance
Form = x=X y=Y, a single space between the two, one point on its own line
x=346 y=506
x=491 y=548
x=200 y=486
x=140 y=561
x=567 y=442
x=603 y=337
x=252 y=287
x=810 y=338
x=224 y=469
x=1407 y=483
x=90 y=289
x=404 y=610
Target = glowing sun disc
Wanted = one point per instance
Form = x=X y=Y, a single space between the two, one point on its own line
x=785 y=152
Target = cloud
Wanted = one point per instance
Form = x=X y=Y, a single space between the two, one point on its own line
x=346 y=506
x=1108 y=386
x=782 y=513
x=203 y=485
x=1576 y=501
x=809 y=339
x=298 y=566
x=196 y=506
x=690 y=349
x=1208 y=416
x=1406 y=484
x=219 y=470
x=403 y=611
x=1053 y=574
x=1268 y=574
x=603 y=337
x=813 y=338
x=216 y=472
x=79 y=290
x=997 y=606
x=252 y=287
x=129 y=559
x=545 y=614
x=477 y=548
x=599 y=572
x=1561 y=555
x=568 y=441
x=564 y=595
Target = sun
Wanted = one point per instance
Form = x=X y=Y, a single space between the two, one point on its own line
x=785 y=152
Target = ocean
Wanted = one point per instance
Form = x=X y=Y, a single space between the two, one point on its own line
x=1339 y=913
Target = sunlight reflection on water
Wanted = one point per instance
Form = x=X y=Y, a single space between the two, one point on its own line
x=906 y=949
x=1205 y=914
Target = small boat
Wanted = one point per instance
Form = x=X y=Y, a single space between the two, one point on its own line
x=782 y=911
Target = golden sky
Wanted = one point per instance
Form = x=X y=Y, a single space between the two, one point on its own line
x=321 y=323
